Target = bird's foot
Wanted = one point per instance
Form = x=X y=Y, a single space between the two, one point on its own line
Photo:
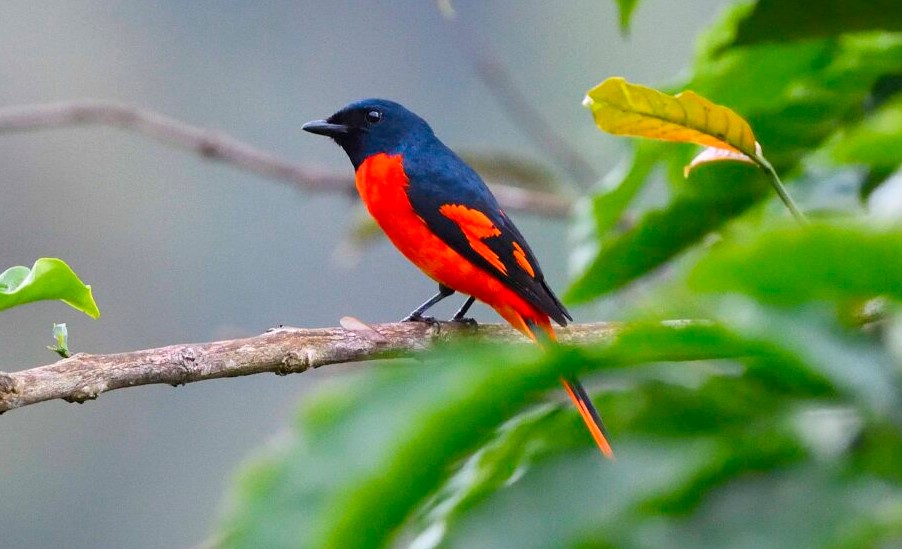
x=466 y=321
x=416 y=317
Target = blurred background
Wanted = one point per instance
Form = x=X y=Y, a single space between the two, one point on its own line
x=179 y=249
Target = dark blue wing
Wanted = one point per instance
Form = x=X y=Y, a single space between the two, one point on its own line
x=457 y=206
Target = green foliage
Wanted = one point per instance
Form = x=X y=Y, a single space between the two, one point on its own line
x=626 y=12
x=713 y=195
x=381 y=456
x=792 y=266
x=773 y=421
x=796 y=95
x=780 y=21
x=875 y=141
x=49 y=278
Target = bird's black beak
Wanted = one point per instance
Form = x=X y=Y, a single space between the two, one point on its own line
x=324 y=127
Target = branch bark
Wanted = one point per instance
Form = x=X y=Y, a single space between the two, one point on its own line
x=281 y=351
x=219 y=146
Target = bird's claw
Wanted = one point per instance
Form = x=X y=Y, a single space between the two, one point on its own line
x=420 y=318
x=466 y=321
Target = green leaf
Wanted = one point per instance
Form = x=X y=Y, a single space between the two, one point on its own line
x=851 y=363
x=714 y=194
x=533 y=435
x=786 y=509
x=794 y=265
x=626 y=11
x=760 y=501
x=656 y=415
x=780 y=21
x=875 y=141
x=49 y=278
x=608 y=207
x=569 y=499
x=597 y=216
x=370 y=450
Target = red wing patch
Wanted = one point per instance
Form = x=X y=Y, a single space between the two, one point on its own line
x=476 y=226
x=520 y=256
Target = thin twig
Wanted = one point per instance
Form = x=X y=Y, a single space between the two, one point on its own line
x=219 y=146
x=778 y=186
x=281 y=351
x=489 y=67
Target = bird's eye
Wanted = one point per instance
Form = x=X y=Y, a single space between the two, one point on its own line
x=374 y=117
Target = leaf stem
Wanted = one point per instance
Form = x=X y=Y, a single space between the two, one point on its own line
x=780 y=188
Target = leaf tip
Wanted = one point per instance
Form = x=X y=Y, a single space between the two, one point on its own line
x=710 y=155
x=90 y=306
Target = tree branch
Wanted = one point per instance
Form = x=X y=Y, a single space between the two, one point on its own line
x=281 y=351
x=219 y=146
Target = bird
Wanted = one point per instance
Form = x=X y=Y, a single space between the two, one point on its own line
x=439 y=213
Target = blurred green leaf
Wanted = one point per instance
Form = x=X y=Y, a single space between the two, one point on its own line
x=371 y=449
x=875 y=141
x=780 y=21
x=532 y=435
x=649 y=428
x=571 y=499
x=596 y=217
x=850 y=362
x=811 y=505
x=885 y=88
x=49 y=278
x=608 y=206
x=774 y=71
x=793 y=265
x=714 y=194
x=626 y=11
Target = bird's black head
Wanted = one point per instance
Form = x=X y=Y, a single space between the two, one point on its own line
x=372 y=126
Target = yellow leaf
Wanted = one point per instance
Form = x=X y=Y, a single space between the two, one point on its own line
x=629 y=109
x=715 y=154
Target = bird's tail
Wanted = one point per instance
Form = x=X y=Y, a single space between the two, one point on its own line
x=540 y=331
x=590 y=416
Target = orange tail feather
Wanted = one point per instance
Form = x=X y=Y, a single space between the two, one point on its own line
x=590 y=415
x=541 y=329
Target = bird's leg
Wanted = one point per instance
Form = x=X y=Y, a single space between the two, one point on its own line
x=417 y=315
x=459 y=315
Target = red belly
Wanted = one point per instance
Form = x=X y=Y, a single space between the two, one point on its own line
x=382 y=185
